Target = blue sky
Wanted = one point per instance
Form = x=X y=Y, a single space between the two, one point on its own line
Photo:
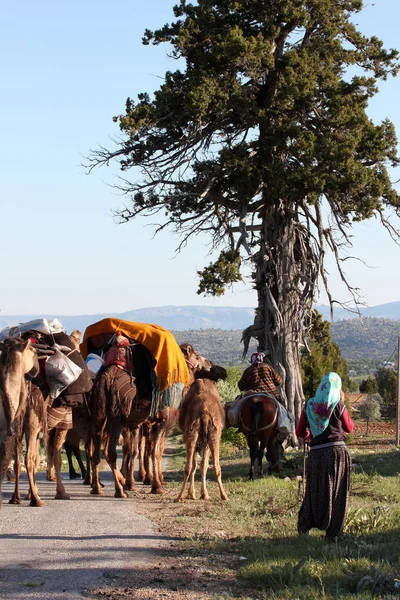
x=66 y=69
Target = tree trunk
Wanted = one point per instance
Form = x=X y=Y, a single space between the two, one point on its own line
x=284 y=300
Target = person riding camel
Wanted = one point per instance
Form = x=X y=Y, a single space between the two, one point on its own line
x=260 y=377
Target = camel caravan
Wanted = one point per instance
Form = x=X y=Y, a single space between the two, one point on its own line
x=126 y=383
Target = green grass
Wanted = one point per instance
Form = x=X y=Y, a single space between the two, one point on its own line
x=258 y=526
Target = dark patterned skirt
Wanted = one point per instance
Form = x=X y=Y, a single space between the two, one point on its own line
x=327 y=491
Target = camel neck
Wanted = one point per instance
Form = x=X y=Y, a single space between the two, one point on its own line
x=12 y=385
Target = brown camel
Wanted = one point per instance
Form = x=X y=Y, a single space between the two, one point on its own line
x=155 y=431
x=119 y=401
x=202 y=420
x=31 y=423
x=17 y=359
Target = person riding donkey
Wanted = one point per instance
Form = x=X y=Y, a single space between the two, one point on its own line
x=260 y=377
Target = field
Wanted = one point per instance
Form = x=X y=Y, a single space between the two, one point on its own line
x=249 y=547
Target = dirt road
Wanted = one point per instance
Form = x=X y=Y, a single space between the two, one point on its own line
x=67 y=548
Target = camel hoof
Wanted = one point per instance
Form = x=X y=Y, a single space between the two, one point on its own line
x=37 y=503
x=120 y=495
x=87 y=482
x=15 y=501
x=225 y=498
x=147 y=481
x=50 y=478
x=97 y=492
x=204 y=497
x=74 y=475
x=130 y=488
x=157 y=490
x=62 y=496
x=182 y=500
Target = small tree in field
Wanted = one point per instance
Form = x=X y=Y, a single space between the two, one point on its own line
x=369 y=386
x=371 y=409
x=262 y=141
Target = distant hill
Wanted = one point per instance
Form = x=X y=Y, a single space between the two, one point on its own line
x=216 y=332
x=391 y=310
x=177 y=318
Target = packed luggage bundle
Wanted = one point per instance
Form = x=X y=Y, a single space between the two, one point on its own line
x=38 y=325
x=62 y=367
x=160 y=368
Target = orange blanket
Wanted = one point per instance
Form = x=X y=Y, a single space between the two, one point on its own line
x=170 y=368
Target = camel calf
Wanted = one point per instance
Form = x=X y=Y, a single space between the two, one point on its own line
x=202 y=421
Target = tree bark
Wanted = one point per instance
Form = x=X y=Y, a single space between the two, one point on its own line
x=281 y=303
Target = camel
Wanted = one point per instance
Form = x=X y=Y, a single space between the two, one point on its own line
x=31 y=423
x=118 y=400
x=155 y=431
x=17 y=359
x=202 y=420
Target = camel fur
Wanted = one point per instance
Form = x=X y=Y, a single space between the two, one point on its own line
x=18 y=358
x=202 y=421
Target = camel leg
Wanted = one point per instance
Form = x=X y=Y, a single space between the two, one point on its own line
x=142 y=449
x=156 y=487
x=149 y=448
x=50 y=457
x=191 y=493
x=203 y=473
x=94 y=449
x=59 y=439
x=71 y=470
x=214 y=447
x=190 y=466
x=88 y=452
x=110 y=454
x=31 y=463
x=16 y=498
x=126 y=450
x=162 y=446
x=130 y=476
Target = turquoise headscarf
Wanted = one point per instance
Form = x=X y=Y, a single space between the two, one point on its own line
x=320 y=408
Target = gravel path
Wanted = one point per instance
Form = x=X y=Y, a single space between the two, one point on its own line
x=68 y=547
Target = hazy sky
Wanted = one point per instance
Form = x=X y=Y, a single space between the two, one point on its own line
x=66 y=68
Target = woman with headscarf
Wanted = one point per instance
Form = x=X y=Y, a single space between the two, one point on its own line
x=323 y=423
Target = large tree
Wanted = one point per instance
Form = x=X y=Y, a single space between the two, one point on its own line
x=260 y=138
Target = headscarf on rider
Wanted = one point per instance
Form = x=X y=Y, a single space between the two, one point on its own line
x=257 y=358
x=319 y=409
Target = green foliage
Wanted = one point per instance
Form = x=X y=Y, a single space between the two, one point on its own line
x=217 y=276
x=262 y=126
x=387 y=386
x=353 y=385
x=363 y=522
x=369 y=386
x=324 y=356
x=370 y=410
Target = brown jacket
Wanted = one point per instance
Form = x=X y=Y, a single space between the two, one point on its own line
x=260 y=378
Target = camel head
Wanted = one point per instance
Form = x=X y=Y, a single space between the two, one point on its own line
x=194 y=361
x=215 y=372
x=15 y=352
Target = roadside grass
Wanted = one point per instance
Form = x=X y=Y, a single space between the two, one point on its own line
x=258 y=529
